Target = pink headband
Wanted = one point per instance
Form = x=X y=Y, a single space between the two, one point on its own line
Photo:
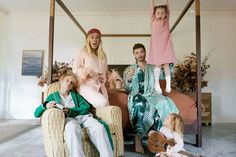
x=94 y=30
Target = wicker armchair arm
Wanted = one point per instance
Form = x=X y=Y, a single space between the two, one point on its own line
x=110 y=114
x=113 y=117
x=53 y=122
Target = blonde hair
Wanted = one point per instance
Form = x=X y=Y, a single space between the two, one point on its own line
x=72 y=77
x=176 y=123
x=88 y=50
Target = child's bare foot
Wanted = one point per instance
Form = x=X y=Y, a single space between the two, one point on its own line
x=138 y=145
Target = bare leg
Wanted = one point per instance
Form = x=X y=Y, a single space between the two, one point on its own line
x=138 y=145
x=168 y=78
x=157 y=72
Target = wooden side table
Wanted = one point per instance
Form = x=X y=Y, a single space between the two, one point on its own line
x=207 y=103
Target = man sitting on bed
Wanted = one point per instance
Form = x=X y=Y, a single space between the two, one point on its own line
x=147 y=109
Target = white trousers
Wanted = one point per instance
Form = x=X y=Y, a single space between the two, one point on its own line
x=96 y=132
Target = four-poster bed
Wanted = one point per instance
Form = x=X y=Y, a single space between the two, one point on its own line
x=196 y=127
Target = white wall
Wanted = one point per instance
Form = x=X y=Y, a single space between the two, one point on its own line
x=31 y=32
x=1 y=66
x=4 y=84
x=219 y=33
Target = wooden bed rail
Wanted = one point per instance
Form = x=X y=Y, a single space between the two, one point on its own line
x=186 y=8
x=62 y=5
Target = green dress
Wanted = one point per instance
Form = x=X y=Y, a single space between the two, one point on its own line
x=146 y=107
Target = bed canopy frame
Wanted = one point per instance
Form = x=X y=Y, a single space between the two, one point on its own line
x=198 y=49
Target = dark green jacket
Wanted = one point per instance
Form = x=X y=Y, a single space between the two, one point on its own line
x=82 y=107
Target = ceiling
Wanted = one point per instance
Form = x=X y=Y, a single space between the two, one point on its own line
x=12 y=6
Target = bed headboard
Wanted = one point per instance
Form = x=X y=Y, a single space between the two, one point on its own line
x=119 y=67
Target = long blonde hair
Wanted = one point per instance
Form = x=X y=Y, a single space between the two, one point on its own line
x=176 y=123
x=100 y=53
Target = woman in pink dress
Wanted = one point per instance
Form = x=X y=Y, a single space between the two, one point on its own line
x=90 y=66
x=161 y=49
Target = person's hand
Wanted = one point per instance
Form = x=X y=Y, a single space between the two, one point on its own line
x=101 y=78
x=65 y=110
x=130 y=73
x=163 y=154
x=50 y=104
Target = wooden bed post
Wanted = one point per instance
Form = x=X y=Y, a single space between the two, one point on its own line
x=67 y=11
x=189 y=4
x=199 y=78
x=51 y=40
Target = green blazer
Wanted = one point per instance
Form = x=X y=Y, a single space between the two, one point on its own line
x=82 y=107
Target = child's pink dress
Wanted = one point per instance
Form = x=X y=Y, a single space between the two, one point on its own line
x=161 y=48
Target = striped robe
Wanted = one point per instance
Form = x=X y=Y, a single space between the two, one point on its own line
x=146 y=107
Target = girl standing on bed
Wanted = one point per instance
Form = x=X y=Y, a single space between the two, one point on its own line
x=161 y=49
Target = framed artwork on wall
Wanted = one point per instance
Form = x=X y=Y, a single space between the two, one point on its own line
x=32 y=62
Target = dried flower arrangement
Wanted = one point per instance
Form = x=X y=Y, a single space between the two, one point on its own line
x=185 y=73
x=59 y=68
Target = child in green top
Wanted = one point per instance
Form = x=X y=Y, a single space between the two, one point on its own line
x=76 y=110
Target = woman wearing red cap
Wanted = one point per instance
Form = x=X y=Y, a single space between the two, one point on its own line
x=90 y=66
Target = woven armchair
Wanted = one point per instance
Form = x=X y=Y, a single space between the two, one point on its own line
x=53 y=122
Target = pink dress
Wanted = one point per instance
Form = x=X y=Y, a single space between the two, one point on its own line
x=161 y=48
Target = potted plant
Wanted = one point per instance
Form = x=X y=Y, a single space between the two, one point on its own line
x=185 y=78
x=59 y=68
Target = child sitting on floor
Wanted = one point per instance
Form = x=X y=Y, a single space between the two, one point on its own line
x=173 y=129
